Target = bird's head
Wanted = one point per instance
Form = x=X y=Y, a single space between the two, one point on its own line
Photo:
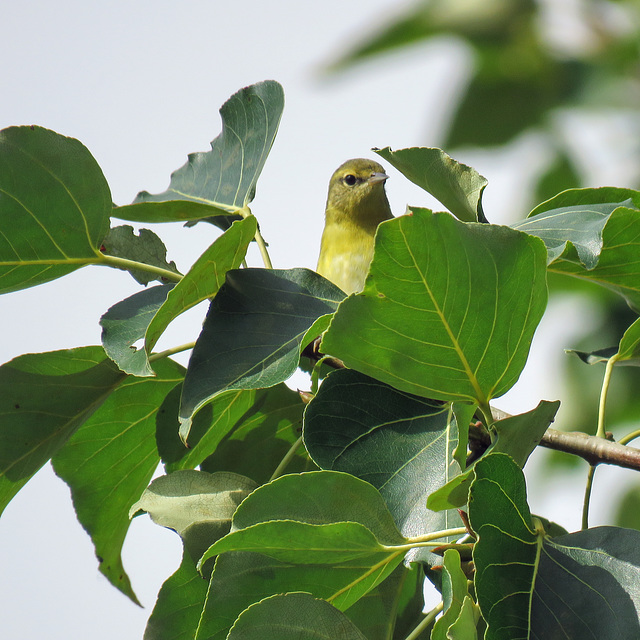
x=357 y=189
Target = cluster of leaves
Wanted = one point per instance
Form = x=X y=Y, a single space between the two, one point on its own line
x=523 y=75
x=316 y=514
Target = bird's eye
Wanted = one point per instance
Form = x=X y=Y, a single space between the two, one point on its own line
x=350 y=179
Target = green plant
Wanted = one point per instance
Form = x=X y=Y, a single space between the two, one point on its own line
x=318 y=514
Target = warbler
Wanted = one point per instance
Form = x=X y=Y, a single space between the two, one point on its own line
x=356 y=204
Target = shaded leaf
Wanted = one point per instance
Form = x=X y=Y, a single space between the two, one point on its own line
x=226 y=176
x=54 y=207
x=402 y=444
x=126 y=322
x=457 y=186
x=109 y=462
x=252 y=334
x=146 y=247
x=44 y=399
x=263 y=436
x=587 y=585
x=292 y=616
x=204 y=278
x=432 y=317
x=376 y=613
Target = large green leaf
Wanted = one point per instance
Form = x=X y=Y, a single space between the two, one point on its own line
x=402 y=444
x=225 y=177
x=54 y=207
x=457 y=186
x=253 y=332
x=292 y=616
x=44 y=399
x=448 y=310
x=587 y=585
x=579 y=585
x=318 y=519
x=109 y=462
x=204 y=278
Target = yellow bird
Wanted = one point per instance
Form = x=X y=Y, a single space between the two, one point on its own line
x=357 y=203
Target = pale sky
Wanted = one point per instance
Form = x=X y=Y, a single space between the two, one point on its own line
x=140 y=84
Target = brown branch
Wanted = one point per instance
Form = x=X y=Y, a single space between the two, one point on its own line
x=593 y=449
x=312 y=352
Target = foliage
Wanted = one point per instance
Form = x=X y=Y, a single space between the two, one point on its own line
x=318 y=514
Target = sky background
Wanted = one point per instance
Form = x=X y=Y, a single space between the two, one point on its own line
x=140 y=84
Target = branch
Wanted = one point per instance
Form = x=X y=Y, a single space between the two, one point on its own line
x=593 y=449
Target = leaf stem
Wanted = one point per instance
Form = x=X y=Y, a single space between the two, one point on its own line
x=287 y=459
x=427 y=539
x=587 y=497
x=425 y=622
x=600 y=433
x=629 y=437
x=245 y=212
x=124 y=263
x=169 y=352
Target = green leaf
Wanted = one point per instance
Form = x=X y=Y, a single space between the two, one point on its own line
x=263 y=436
x=519 y=435
x=126 y=322
x=293 y=616
x=226 y=176
x=109 y=462
x=168 y=211
x=44 y=399
x=457 y=186
x=402 y=444
x=465 y=626
x=587 y=585
x=579 y=225
x=448 y=310
x=454 y=592
x=146 y=247
x=529 y=585
x=381 y=613
x=614 y=266
x=508 y=548
x=298 y=519
x=252 y=334
x=195 y=504
x=629 y=349
x=54 y=207
x=204 y=278
x=176 y=614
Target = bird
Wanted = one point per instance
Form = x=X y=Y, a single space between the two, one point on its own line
x=356 y=204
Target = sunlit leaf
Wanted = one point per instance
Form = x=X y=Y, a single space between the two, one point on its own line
x=54 y=207
x=457 y=186
x=448 y=310
x=226 y=176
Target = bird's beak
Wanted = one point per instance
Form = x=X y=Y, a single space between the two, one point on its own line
x=377 y=177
